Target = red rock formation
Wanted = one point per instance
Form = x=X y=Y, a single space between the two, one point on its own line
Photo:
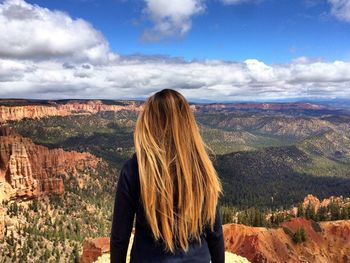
x=316 y=203
x=94 y=248
x=326 y=242
x=333 y=199
x=337 y=236
x=313 y=200
x=28 y=170
x=54 y=109
x=75 y=107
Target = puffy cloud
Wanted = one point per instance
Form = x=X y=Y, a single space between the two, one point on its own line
x=13 y=70
x=46 y=54
x=138 y=78
x=340 y=9
x=170 y=18
x=32 y=32
x=174 y=18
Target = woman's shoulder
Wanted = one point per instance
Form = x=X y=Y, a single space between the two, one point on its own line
x=130 y=163
x=130 y=169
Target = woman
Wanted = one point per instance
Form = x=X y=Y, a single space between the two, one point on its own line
x=172 y=186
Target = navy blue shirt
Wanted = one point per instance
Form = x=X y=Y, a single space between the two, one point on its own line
x=145 y=248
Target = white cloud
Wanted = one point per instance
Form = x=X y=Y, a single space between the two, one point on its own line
x=34 y=64
x=170 y=18
x=215 y=80
x=13 y=70
x=32 y=32
x=340 y=9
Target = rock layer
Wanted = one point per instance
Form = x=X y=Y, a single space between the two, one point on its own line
x=52 y=108
x=28 y=170
x=326 y=242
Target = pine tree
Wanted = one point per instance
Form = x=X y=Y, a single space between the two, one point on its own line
x=335 y=211
x=301 y=212
x=297 y=237
x=302 y=234
x=310 y=212
x=321 y=214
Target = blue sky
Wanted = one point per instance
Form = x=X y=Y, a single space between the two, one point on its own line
x=274 y=31
x=218 y=50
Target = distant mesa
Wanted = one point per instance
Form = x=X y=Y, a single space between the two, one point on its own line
x=13 y=110
x=16 y=109
x=261 y=106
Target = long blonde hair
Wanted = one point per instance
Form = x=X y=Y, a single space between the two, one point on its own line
x=179 y=184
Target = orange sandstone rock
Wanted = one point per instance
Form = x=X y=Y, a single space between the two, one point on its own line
x=94 y=248
x=28 y=170
x=316 y=203
x=8 y=113
x=326 y=242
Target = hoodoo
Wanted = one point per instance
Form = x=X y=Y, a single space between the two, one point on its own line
x=28 y=170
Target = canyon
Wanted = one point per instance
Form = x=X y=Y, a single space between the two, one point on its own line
x=28 y=170
x=59 y=162
x=14 y=110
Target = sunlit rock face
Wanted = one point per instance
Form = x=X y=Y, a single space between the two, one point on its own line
x=52 y=108
x=28 y=170
x=316 y=203
x=93 y=249
x=325 y=242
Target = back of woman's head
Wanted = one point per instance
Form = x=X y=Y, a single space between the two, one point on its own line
x=179 y=185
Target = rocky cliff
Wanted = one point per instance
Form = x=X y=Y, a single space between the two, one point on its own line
x=325 y=242
x=52 y=108
x=28 y=170
x=18 y=109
